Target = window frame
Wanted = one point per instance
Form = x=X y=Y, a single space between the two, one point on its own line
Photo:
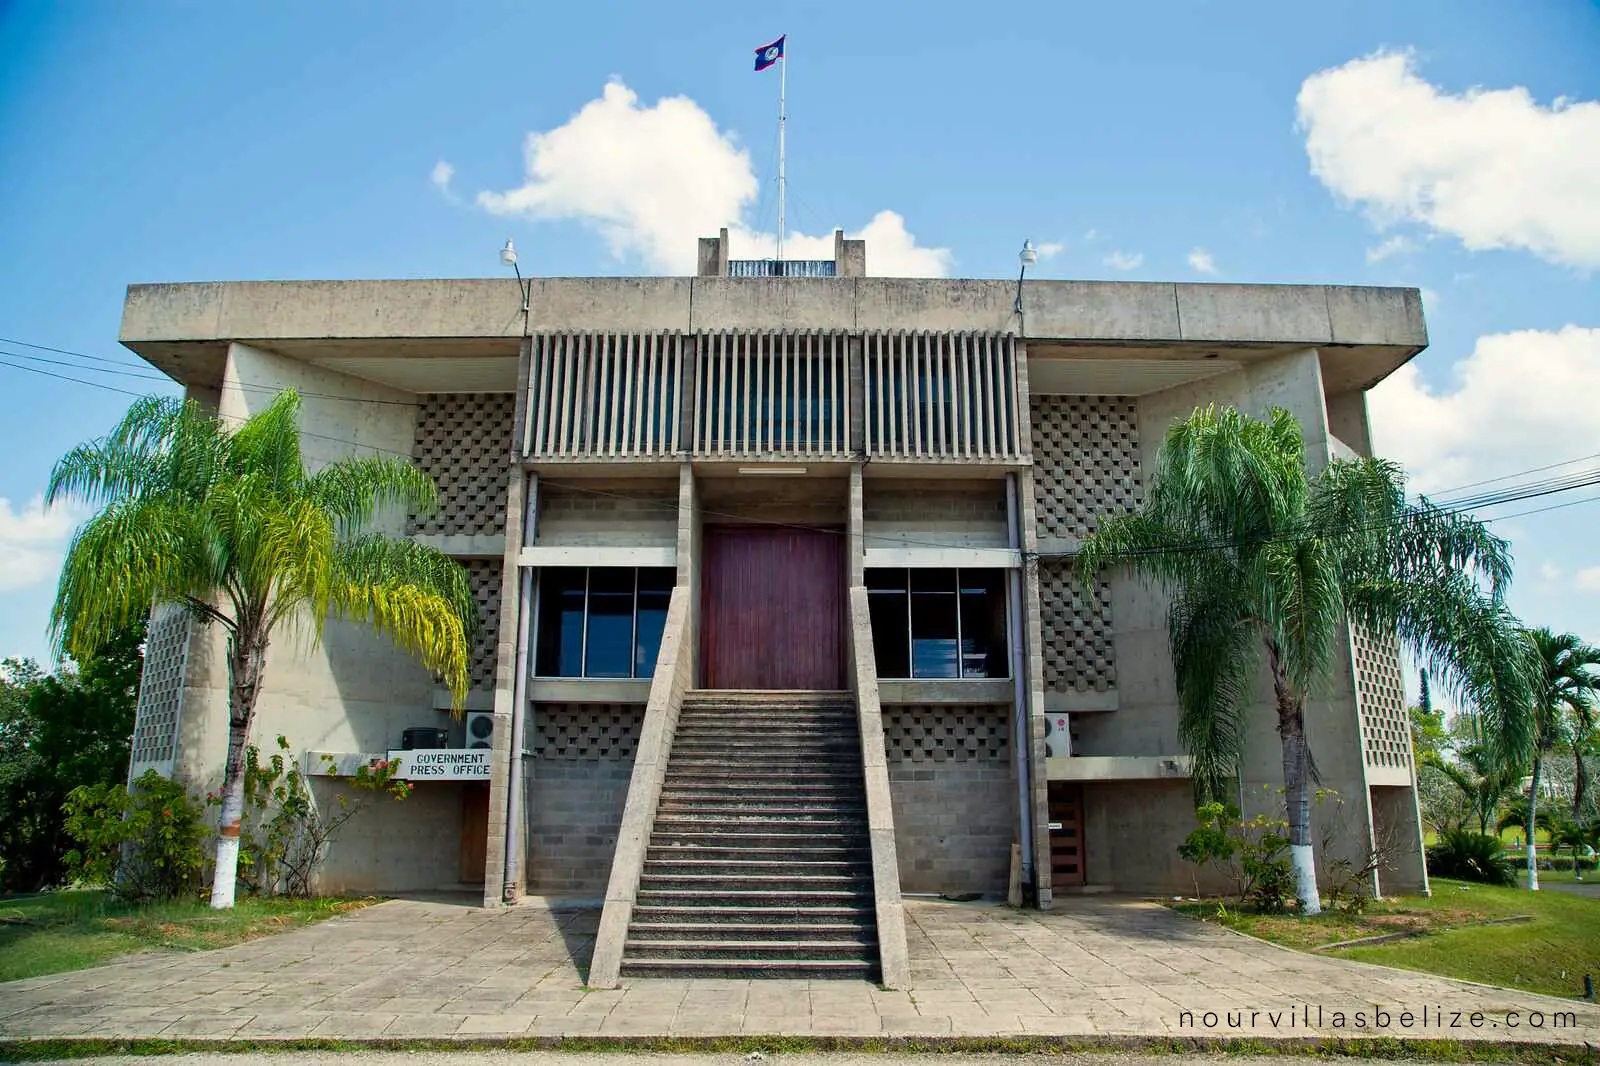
x=960 y=658
x=537 y=633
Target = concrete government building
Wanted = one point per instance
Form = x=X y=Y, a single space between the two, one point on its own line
x=774 y=565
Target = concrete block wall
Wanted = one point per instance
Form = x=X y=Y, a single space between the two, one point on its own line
x=410 y=845
x=463 y=441
x=953 y=792
x=610 y=513
x=954 y=513
x=577 y=787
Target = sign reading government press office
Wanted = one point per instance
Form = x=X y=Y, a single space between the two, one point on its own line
x=441 y=764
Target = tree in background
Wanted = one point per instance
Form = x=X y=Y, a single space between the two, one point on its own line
x=227 y=522
x=57 y=733
x=1566 y=685
x=1262 y=560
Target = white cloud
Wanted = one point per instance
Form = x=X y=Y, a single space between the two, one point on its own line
x=1124 y=260
x=1519 y=401
x=653 y=179
x=1396 y=245
x=443 y=174
x=1091 y=235
x=1588 y=579
x=1491 y=167
x=1550 y=571
x=32 y=541
x=1200 y=262
x=1050 y=249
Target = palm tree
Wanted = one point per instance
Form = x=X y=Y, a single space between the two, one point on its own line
x=229 y=524
x=1261 y=557
x=1566 y=685
x=1484 y=784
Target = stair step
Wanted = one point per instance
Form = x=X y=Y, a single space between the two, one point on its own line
x=799 y=881
x=795 y=914
x=799 y=969
x=787 y=835
x=749 y=855
x=766 y=866
x=751 y=897
x=669 y=820
x=727 y=950
x=789 y=781
x=791 y=932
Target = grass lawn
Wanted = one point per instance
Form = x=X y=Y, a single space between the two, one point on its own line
x=1549 y=954
x=56 y=931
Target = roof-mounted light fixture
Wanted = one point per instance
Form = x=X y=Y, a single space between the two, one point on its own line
x=508 y=257
x=1028 y=256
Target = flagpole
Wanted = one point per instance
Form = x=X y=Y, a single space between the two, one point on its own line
x=783 y=79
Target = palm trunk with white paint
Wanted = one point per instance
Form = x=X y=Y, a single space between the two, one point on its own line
x=246 y=660
x=1533 y=802
x=1297 y=789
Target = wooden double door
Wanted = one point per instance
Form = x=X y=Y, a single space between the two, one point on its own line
x=772 y=608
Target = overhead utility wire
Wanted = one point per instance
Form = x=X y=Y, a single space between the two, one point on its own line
x=128 y=370
x=1510 y=495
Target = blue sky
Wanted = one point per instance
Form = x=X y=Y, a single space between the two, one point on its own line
x=1190 y=141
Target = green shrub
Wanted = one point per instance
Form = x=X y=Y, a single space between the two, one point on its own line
x=144 y=844
x=1469 y=856
x=1254 y=855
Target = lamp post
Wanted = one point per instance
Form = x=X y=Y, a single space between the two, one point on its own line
x=508 y=257
x=1028 y=256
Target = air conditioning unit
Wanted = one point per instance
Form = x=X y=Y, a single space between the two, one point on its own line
x=1057 y=739
x=480 y=729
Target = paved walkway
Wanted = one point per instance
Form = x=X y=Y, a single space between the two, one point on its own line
x=1094 y=967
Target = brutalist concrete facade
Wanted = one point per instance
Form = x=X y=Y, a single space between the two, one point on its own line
x=943 y=423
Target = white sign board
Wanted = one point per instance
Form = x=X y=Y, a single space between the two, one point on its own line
x=441 y=764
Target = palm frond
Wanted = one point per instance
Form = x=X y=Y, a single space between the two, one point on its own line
x=354 y=490
x=418 y=596
x=1215 y=655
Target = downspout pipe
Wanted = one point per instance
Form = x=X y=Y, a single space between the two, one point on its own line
x=1020 y=731
x=515 y=845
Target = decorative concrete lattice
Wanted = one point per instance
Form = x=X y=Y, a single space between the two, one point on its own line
x=1085 y=461
x=166 y=660
x=1381 y=698
x=587 y=730
x=1078 y=654
x=945 y=733
x=484 y=574
x=464 y=443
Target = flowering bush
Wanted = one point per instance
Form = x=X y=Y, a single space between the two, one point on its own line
x=285 y=836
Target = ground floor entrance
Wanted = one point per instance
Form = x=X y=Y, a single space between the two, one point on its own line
x=1066 y=834
x=772 y=608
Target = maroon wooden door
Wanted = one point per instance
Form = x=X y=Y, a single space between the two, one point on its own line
x=772 y=608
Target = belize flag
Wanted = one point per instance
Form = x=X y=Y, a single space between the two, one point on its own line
x=769 y=54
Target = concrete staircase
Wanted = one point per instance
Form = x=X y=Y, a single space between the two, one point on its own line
x=759 y=863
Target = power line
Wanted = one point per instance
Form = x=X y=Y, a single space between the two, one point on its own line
x=1507 y=477
x=163 y=379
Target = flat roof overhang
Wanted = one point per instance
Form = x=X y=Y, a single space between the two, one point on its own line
x=465 y=334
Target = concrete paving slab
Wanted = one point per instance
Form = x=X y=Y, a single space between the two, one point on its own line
x=1092 y=967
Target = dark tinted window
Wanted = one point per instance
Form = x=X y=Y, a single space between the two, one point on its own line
x=655 y=592
x=983 y=623
x=610 y=645
x=934 y=633
x=891 y=622
x=560 y=650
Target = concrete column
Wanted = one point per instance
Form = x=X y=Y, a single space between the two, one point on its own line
x=506 y=747
x=689 y=560
x=857 y=401
x=1033 y=648
x=855 y=543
